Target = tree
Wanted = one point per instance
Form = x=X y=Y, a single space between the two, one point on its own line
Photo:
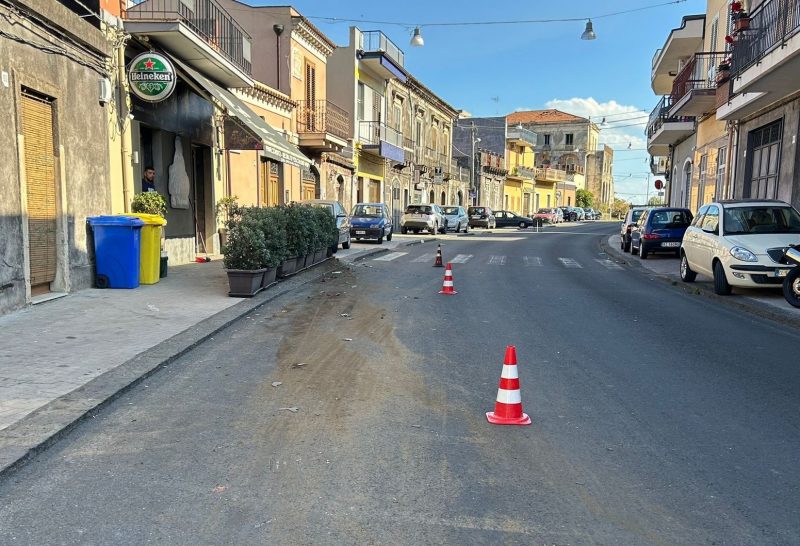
x=655 y=201
x=584 y=198
x=619 y=207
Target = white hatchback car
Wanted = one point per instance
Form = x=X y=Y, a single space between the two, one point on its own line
x=740 y=243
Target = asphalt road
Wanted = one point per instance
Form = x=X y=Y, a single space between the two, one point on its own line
x=659 y=417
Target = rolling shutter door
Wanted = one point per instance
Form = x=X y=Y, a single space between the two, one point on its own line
x=37 y=129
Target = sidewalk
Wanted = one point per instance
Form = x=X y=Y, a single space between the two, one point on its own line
x=767 y=302
x=65 y=358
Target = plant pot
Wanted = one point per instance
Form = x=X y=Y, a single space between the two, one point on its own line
x=245 y=283
x=742 y=23
x=288 y=267
x=163 y=266
x=309 y=260
x=270 y=274
x=319 y=255
x=329 y=251
x=723 y=76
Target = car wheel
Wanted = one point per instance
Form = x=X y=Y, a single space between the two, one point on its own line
x=416 y=232
x=403 y=230
x=466 y=228
x=380 y=239
x=346 y=244
x=791 y=287
x=634 y=251
x=687 y=275
x=642 y=251
x=721 y=286
x=522 y=225
x=389 y=235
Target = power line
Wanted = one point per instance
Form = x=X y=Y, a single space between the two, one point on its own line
x=488 y=23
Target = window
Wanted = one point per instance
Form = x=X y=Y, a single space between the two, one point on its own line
x=698 y=220
x=547 y=140
x=722 y=160
x=763 y=152
x=711 y=219
x=398 y=116
x=569 y=137
x=701 y=190
x=360 y=101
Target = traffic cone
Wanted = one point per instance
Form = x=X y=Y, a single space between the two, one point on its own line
x=508 y=407
x=447 y=285
x=438 y=262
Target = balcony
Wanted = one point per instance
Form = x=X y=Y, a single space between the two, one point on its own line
x=199 y=32
x=525 y=173
x=546 y=175
x=381 y=55
x=521 y=136
x=664 y=130
x=322 y=125
x=681 y=43
x=694 y=91
x=766 y=58
x=379 y=139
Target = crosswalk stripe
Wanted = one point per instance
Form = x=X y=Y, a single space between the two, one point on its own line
x=570 y=263
x=608 y=264
x=424 y=258
x=497 y=260
x=461 y=258
x=389 y=257
x=532 y=261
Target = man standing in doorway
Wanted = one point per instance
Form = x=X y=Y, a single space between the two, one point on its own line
x=149 y=179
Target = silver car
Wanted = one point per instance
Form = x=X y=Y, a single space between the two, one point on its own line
x=457 y=218
x=424 y=217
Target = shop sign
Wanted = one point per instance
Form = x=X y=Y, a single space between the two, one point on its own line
x=151 y=77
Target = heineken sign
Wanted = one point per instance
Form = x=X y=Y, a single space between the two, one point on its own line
x=151 y=77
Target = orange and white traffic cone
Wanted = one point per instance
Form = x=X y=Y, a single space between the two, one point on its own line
x=447 y=285
x=438 y=262
x=508 y=407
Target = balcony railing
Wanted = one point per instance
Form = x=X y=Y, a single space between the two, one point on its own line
x=771 y=24
x=699 y=73
x=660 y=115
x=520 y=133
x=375 y=40
x=373 y=132
x=551 y=175
x=322 y=116
x=205 y=18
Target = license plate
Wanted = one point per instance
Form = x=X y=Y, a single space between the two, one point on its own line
x=671 y=244
x=361 y=232
x=476 y=216
x=781 y=272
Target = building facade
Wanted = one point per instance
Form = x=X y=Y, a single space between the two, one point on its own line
x=761 y=99
x=54 y=148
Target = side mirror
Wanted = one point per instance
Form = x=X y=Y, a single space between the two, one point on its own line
x=715 y=231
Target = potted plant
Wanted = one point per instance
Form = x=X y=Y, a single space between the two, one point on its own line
x=272 y=224
x=298 y=233
x=741 y=20
x=225 y=209
x=150 y=202
x=723 y=71
x=246 y=255
x=327 y=234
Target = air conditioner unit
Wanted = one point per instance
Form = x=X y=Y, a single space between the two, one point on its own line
x=104 y=90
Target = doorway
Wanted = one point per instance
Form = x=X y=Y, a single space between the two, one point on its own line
x=202 y=192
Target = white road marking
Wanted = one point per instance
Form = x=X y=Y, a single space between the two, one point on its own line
x=608 y=264
x=497 y=260
x=389 y=257
x=532 y=261
x=570 y=263
x=461 y=258
x=425 y=258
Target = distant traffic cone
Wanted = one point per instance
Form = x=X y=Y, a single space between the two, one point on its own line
x=438 y=262
x=508 y=407
x=447 y=285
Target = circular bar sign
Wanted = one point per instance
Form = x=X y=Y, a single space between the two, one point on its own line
x=151 y=77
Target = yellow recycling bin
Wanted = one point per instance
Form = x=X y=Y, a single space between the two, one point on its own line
x=150 y=260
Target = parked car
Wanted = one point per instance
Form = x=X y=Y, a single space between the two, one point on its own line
x=660 y=229
x=457 y=218
x=342 y=219
x=581 y=214
x=740 y=243
x=631 y=218
x=428 y=217
x=481 y=217
x=589 y=213
x=371 y=221
x=569 y=214
x=547 y=216
x=505 y=218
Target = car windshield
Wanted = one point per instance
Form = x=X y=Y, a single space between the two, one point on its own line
x=761 y=219
x=326 y=206
x=476 y=210
x=367 y=211
x=418 y=209
x=543 y=211
x=451 y=210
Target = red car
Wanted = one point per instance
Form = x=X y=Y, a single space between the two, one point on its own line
x=548 y=216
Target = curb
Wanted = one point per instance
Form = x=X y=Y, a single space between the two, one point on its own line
x=24 y=440
x=740 y=303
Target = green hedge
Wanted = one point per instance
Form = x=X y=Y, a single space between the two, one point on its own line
x=265 y=237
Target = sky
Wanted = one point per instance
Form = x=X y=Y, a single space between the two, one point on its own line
x=492 y=70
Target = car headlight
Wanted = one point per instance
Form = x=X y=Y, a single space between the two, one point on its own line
x=374 y=226
x=741 y=253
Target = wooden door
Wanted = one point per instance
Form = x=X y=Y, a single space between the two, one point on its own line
x=40 y=177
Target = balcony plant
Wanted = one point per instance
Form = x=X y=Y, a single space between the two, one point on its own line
x=723 y=71
x=741 y=20
x=246 y=255
x=271 y=223
x=327 y=234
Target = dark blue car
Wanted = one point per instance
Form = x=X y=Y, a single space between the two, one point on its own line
x=371 y=221
x=660 y=229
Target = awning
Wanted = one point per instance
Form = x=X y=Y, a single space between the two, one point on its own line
x=273 y=144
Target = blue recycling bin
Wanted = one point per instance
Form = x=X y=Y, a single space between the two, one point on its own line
x=117 y=240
